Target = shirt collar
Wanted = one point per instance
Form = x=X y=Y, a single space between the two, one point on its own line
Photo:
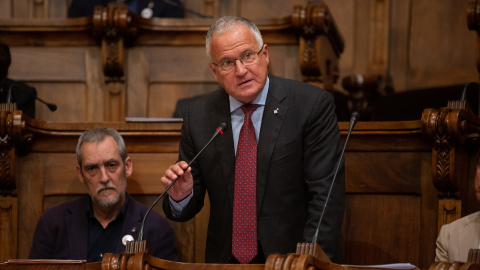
x=260 y=100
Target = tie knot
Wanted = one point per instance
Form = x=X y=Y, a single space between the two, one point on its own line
x=248 y=109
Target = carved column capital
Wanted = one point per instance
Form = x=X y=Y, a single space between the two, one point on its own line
x=320 y=43
x=449 y=128
x=112 y=24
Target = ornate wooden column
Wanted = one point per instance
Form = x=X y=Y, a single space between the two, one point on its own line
x=12 y=141
x=455 y=133
x=320 y=44
x=112 y=26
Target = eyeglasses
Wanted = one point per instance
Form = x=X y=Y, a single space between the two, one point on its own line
x=248 y=58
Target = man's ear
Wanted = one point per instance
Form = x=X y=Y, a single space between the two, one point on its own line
x=265 y=52
x=128 y=167
x=79 y=174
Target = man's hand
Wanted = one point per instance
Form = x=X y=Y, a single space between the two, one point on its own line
x=184 y=185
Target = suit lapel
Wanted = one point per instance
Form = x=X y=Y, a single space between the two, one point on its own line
x=224 y=143
x=272 y=120
x=77 y=227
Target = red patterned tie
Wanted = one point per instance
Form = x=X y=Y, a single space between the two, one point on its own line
x=244 y=237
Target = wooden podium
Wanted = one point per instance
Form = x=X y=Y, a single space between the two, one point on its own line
x=308 y=256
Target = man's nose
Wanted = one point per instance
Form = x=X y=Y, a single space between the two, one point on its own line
x=239 y=66
x=104 y=177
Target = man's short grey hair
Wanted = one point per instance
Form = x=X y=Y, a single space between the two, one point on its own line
x=226 y=24
x=97 y=135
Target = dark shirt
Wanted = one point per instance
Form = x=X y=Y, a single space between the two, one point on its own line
x=102 y=240
x=161 y=8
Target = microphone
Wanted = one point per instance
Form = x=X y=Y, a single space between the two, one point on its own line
x=219 y=131
x=353 y=121
x=50 y=106
x=464 y=92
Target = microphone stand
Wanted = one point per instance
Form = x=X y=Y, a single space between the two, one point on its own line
x=52 y=107
x=141 y=245
x=313 y=248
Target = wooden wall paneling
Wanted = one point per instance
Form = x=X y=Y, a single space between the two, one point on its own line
x=137 y=82
x=6 y=9
x=58 y=8
x=178 y=64
x=391 y=203
x=434 y=59
x=39 y=9
x=60 y=175
x=428 y=212
x=379 y=22
x=68 y=77
x=393 y=220
x=284 y=61
x=70 y=99
x=30 y=194
x=351 y=17
x=255 y=10
x=8 y=230
x=173 y=73
x=399 y=44
x=209 y=8
x=163 y=97
x=373 y=172
x=392 y=189
x=96 y=91
x=21 y=8
x=30 y=63
x=114 y=108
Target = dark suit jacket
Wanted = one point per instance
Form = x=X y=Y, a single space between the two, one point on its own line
x=298 y=150
x=83 y=8
x=21 y=94
x=62 y=232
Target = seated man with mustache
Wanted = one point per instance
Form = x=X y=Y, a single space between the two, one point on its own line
x=102 y=221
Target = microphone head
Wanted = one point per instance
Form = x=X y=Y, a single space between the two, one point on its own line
x=355 y=116
x=52 y=107
x=222 y=127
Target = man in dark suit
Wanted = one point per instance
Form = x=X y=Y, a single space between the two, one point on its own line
x=105 y=219
x=145 y=8
x=298 y=147
x=12 y=91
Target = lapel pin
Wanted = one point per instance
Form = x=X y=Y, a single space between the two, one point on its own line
x=127 y=238
x=134 y=229
x=276 y=111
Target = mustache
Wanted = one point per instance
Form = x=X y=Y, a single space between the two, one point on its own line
x=105 y=187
